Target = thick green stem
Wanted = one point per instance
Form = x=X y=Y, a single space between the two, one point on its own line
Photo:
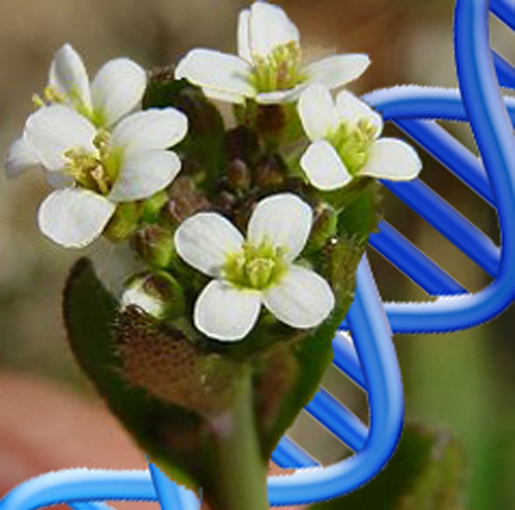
x=241 y=473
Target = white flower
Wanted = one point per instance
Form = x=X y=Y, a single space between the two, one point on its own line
x=116 y=91
x=269 y=66
x=346 y=143
x=257 y=271
x=101 y=169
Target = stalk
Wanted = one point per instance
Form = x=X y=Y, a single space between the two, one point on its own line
x=241 y=477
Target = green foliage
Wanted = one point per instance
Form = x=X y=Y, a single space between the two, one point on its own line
x=426 y=473
x=174 y=437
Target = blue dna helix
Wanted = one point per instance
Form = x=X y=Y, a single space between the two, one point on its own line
x=370 y=360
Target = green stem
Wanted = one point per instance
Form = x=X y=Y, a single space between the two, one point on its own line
x=241 y=474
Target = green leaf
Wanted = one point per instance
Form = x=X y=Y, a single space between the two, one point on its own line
x=192 y=411
x=426 y=473
x=175 y=438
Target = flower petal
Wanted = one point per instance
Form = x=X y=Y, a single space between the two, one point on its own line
x=269 y=28
x=280 y=96
x=117 y=90
x=244 y=36
x=337 y=70
x=284 y=220
x=226 y=313
x=152 y=129
x=53 y=130
x=204 y=241
x=392 y=159
x=143 y=174
x=351 y=110
x=68 y=76
x=323 y=167
x=74 y=217
x=303 y=299
x=224 y=73
x=20 y=158
x=317 y=112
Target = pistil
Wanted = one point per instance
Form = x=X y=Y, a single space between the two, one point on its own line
x=280 y=70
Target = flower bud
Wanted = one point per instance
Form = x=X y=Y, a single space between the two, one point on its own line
x=124 y=221
x=154 y=244
x=242 y=143
x=153 y=206
x=271 y=120
x=270 y=172
x=238 y=175
x=324 y=227
x=185 y=199
x=157 y=293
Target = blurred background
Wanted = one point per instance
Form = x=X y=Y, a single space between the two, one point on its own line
x=464 y=381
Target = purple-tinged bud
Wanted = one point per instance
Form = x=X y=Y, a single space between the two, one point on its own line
x=154 y=244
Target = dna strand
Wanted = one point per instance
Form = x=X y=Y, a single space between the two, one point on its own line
x=370 y=360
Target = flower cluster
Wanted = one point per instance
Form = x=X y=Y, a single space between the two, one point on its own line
x=97 y=147
x=105 y=146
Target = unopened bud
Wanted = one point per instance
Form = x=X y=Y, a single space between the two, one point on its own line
x=270 y=172
x=153 y=206
x=154 y=244
x=157 y=293
x=271 y=120
x=242 y=143
x=124 y=221
x=238 y=175
x=324 y=227
x=185 y=199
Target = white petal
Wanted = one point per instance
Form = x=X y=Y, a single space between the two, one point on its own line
x=204 y=241
x=143 y=174
x=68 y=76
x=392 y=159
x=244 y=35
x=317 y=112
x=323 y=167
x=303 y=299
x=284 y=220
x=74 y=217
x=351 y=110
x=152 y=129
x=20 y=158
x=337 y=70
x=226 y=97
x=226 y=313
x=269 y=28
x=117 y=90
x=280 y=96
x=214 y=70
x=53 y=130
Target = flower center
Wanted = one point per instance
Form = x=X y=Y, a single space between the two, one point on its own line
x=279 y=70
x=353 y=143
x=255 y=267
x=96 y=171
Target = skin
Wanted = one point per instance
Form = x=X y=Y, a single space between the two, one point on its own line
x=37 y=415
